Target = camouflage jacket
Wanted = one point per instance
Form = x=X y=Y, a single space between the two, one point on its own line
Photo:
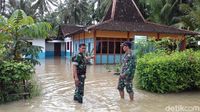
x=80 y=61
x=128 y=65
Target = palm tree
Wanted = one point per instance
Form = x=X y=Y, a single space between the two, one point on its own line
x=77 y=9
x=74 y=11
x=2 y=6
x=17 y=29
x=12 y=5
x=26 y=6
x=44 y=6
x=161 y=11
x=191 y=18
x=101 y=9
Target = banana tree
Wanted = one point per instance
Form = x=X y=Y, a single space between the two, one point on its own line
x=191 y=18
x=101 y=8
x=16 y=30
x=161 y=11
x=44 y=6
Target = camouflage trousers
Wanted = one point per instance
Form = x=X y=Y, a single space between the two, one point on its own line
x=79 y=91
x=125 y=82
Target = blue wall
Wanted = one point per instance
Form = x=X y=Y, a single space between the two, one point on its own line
x=41 y=55
x=49 y=50
x=63 y=54
x=68 y=55
x=87 y=41
x=117 y=58
x=110 y=58
x=50 y=54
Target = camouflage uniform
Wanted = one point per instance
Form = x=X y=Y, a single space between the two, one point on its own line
x=128 y=70
x=80 y=61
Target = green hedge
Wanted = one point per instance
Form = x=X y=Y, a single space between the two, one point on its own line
x=162 y=73
x=13 y=75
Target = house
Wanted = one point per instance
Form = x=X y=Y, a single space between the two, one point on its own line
x=55 y=47
x=122 y=22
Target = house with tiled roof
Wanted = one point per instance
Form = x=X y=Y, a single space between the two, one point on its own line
x=123 y=21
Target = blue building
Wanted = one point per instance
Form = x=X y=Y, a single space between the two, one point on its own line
x=123 y=21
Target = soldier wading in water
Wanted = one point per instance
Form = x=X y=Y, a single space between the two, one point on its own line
x=79 y=72
x=127 y=71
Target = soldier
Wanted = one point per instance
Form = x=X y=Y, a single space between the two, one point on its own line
x=127 y=71
x=79 y=72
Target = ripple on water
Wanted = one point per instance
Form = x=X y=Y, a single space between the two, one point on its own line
x=55 y=79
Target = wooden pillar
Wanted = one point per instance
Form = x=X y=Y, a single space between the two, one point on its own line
x=95 y=46
x=65 y=49
x=79 y=38
x=114 y=51
x=128 y=36
x=70 y=48
x=101 y=50
x=183 y=43
x=158 y=36
x=84 y=36
x=73 y=45
x=120 y=50
x=108 y=50
x=133 y=43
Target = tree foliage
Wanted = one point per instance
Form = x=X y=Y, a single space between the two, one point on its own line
x=191 y=17
x=16 y=30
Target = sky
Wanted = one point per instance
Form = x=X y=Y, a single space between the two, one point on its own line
x=62 y=1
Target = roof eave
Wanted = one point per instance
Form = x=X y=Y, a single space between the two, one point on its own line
x=75 y=32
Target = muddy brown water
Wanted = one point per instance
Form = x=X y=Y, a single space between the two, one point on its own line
x=57 y=89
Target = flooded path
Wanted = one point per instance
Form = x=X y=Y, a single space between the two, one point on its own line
x=101 y=95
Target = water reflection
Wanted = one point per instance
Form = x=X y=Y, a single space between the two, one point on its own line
x=55 y=79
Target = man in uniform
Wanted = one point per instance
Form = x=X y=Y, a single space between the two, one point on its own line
x=127 y=71
x=79 y=72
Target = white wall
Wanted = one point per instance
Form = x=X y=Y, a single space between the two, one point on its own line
x=39 y=42
x=69 y=40
x=49 y=46
x=63 y=47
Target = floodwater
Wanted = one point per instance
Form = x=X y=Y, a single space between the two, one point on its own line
x=57 y=89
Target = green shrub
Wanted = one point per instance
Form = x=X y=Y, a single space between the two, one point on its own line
x=160 y=72
x=13 y=76
x=2 y=50
x=196 y=76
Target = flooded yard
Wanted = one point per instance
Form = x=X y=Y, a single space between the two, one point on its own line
x=55 y=78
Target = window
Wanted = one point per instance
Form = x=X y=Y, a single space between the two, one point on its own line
x=117 y=49
x=140 y=38
x=98 y=46
x=76 y=47
x=111 y=47
x=104 y=47
x=139 y=42
x=89 y=47
x=67 y=45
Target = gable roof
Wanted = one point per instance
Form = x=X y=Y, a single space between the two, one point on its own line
x=67 y=29
x=124 y=15
x=124 y=10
